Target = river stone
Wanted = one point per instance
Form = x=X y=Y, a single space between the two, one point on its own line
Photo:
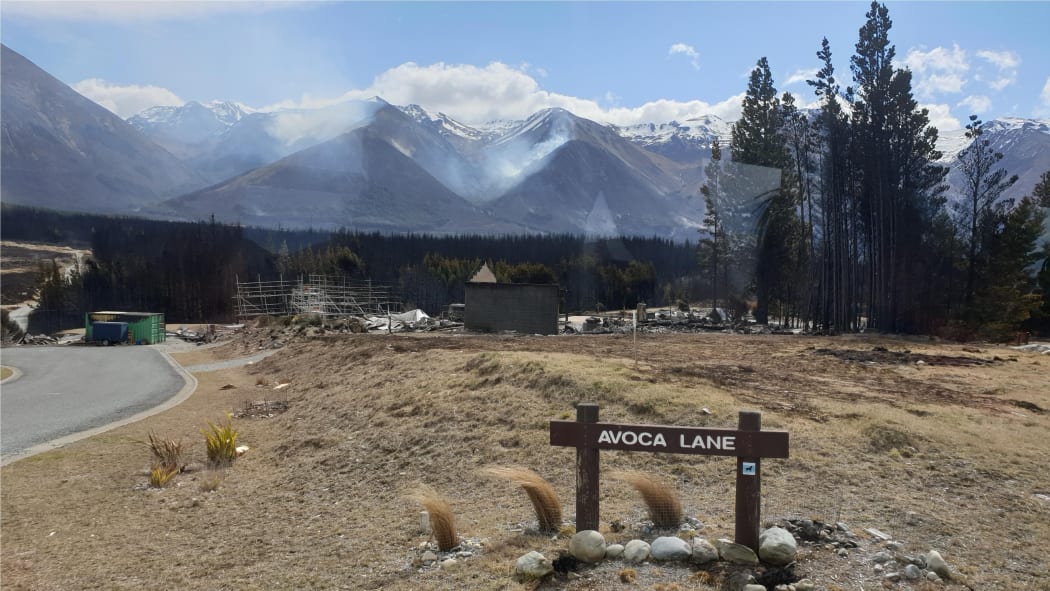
x=449 y=563
x=670 y=548
x=735 y=553
x=533 y=566
x=937 y=564
x=753 y=587
x=428 y=557
x=636 y=551
x=805 y=585
x=614 y=551
x=777 y=546
x=911 y=572
x=881 y=557
x=704 y=551
x=588 y=546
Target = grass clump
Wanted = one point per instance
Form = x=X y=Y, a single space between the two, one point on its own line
x=221 y=442
x=167 y=453
x=540 y=492
x=665 y=509
x=161 y=476
x=442 y=521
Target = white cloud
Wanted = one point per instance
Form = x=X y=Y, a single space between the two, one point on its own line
x=127 y=100
x=134 y=11
x=687 y=50
x=939 y=70
x=801 y=76
x=475 y=94
x=976 y=104
x=1043 y=110
x=1005 y=64
x=941 y=117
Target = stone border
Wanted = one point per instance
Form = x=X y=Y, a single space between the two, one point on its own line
x=188 y=388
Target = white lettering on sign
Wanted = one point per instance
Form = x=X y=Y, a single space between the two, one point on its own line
x=709 y=442
x=644 y=438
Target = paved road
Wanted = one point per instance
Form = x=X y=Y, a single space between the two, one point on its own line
x=69 y=390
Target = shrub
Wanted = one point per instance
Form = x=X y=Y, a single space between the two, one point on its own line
x=167 y=453
x=442 y=521
x=221 y=441
x=540 y=493
x=160 y=476
x=662 y=501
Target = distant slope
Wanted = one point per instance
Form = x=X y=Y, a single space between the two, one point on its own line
x=360 y=180
x=63 y=151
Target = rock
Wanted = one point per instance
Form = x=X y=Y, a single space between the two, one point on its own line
x=670 y=548
x=881 y=557
x=735 y=553
x=844 y=553
x=704 y=551
x=754 y=588
x=938 y=565
x=892 y=577
x=613 y=551
x=805 y=585
x=449 y=563
x=932 y=577
x=429 y=557
x=911 y=572
x=741 y=579
x=636 y=551
x=533 y=566
x=587 y=546
x=878 y=535
x=777 y=546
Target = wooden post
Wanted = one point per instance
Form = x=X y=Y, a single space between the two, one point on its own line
x=586 y=473
x=748 y=487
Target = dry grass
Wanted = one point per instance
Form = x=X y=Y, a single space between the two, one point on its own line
x=540 y=492
x=665 y=508
x=317 y=512
x=167 y=453
x=442 y=520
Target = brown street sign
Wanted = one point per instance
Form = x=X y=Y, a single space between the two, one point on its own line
x=748 y=443
x=671 y=439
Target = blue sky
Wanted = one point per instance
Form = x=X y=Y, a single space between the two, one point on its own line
x=619 y=62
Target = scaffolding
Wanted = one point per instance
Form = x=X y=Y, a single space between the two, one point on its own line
x=326 y=295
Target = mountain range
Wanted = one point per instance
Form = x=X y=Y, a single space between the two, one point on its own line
x=370 y=165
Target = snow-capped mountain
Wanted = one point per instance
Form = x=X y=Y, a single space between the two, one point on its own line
x=186 y=129
x=371 y=165
x=62 y=151
x=686 y=142
x=1024 y=144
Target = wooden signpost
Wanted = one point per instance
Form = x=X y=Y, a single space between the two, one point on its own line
x=748 y=443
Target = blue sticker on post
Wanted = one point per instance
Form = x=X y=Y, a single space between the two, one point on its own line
x=747 y=468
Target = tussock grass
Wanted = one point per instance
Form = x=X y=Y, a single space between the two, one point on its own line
x=221 y=442
x=665 y=509
x=161 y=476
x=167 y=453
x=442 y=520
x=540 y=492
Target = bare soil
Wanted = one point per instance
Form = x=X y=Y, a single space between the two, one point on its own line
x=947 y=454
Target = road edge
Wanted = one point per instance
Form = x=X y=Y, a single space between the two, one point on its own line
x=16 y=373
x=189 y=386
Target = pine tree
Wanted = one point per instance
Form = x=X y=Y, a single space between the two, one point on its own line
x=898 y=184
x=713 y=249
x=979 y=210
